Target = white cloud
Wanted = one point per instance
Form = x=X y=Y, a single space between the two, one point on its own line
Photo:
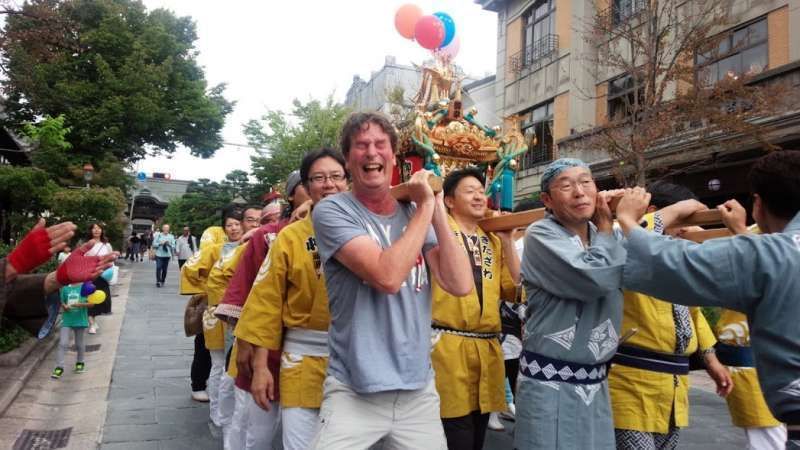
x=270 y=52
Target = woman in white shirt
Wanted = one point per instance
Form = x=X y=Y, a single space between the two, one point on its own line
x=102 y=247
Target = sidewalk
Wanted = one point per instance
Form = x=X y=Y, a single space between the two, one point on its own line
x=149 y=402
x=70 y=412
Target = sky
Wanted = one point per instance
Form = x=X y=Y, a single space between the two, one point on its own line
x=270 y=52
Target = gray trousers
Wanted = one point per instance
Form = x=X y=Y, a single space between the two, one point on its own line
x=63 y=344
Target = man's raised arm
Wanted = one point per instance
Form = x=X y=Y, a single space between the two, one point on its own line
x=387 y=269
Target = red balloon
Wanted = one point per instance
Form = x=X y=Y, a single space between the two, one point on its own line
x=429 y=32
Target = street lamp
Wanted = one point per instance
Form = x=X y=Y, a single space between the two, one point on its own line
x=88 y=173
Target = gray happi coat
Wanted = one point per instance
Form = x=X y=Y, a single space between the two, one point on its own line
x=758 y=275
x=574 y=314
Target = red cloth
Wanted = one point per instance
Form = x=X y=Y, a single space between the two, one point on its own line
x=32 y=251
x=241 y=282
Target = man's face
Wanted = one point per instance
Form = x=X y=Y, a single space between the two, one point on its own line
x=252 y=217
x=299 y=196
x=371 y=159
x=326 y=177
x=165 y=228
x=572 y=195
x=468 y=199
x=185 y=231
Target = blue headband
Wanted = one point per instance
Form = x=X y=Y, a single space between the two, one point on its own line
x=556 y=167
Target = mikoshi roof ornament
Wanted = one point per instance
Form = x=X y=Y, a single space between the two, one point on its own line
x=440 y=137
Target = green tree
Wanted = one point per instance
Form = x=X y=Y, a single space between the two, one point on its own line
x=283 y=139
x=53 y=153
x=25 y=193
x=201 y=205
x=126 y=78
x=85 y=206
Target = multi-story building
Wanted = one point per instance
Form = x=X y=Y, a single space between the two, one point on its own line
x=543 y=76
x=372 y=94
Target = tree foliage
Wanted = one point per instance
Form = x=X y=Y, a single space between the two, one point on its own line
x=25 y=193
x=85 y=206
x=283 y=139
x=201 y=206
x=125 y=78
x=654 y=44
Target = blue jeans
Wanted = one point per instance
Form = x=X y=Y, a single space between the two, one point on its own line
x=162 y=262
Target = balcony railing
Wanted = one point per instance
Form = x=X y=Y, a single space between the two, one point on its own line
x=622 y=11
x=533 y=54
x=536 y=156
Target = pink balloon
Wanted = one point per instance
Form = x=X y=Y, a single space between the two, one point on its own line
x=429 y=32
x=451 y=50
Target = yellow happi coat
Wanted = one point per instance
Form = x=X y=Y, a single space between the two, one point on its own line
x=203 y=272
x=644 y=400
x=289 y=292
x=469 y=371
x=213 y=235
x=746 y=401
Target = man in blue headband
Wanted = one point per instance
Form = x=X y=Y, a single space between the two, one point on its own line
x=572 y=270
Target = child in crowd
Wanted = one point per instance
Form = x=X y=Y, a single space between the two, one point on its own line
x=64 y=254
x=75 y=318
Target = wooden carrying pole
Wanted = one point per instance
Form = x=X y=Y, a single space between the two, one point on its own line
x=702 y=236
x=525 y=218
x=400 y=191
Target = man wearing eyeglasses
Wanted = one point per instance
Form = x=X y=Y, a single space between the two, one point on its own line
x=572 y=270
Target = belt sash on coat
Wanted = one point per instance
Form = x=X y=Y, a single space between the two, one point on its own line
x=544 y=368
x=735 y=356
x=470 y=334
x=306 y=342
x=649 y=360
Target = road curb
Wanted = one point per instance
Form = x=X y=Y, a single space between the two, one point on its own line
x=24 y=370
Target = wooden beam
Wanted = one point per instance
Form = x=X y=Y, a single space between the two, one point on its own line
x=701 y=218
x=400 y=191
x=511 y=221
x=702 y=236
x=525 y=218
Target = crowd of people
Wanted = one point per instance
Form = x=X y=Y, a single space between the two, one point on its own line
x=356 y=319
x=351 y=318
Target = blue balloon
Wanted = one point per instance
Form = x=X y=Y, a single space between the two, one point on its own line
x=87 y=289
x=449 y=27
x=108 y=274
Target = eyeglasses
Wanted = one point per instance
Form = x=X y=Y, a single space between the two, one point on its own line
x=322 y=178
x=571 y=185
x=251 y=219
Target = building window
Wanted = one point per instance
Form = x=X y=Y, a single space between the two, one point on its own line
x=743 y=51
x=538 y=131
x=623 y=10
x=622 y=97
x=539 y=32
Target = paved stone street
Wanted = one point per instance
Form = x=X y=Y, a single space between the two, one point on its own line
x=149 y=404
x=144 y=403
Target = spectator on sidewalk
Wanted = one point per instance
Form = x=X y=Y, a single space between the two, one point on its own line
x=186 y=246
x=144 y=244
x=101 y=247
x=64 y=254
x=164 y=246
x=74 y=319
x=132 y=252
